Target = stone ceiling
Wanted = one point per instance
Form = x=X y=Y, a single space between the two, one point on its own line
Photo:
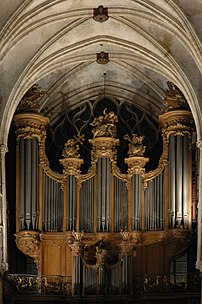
x=54 y=43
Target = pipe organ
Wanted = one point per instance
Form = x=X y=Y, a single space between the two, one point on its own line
x=97 y=227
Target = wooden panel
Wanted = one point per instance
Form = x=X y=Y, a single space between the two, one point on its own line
x=53 y=254
x=68 y=261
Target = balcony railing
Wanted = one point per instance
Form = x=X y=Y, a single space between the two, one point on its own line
x=142 y=285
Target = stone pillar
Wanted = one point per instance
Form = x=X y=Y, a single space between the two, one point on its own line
x=3 y=210
x=3 y=218
x=199 y=220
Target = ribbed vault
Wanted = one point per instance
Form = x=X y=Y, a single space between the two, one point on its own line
x=54 y=44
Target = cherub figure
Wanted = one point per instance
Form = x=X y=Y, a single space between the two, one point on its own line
x=135 y=147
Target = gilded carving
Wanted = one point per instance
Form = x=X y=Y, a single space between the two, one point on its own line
x=174 y=98
x=129 y=241
x=104 y=125
x=29 y=243
x=104 y=147
x=77 y=246
x=136 y=165
x=136 y=147
x=30 y=101
x=30 y=125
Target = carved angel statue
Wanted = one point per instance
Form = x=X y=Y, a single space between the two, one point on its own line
x=174 y=97
x=72 y=146
x=135 y=147
x=30 y=101
x=104 y=125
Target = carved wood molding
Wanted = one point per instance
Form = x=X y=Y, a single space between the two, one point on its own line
x=29 y=243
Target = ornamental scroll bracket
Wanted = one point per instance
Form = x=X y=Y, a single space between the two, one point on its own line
x=29 y=243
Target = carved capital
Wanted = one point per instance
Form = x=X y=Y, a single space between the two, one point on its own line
x=30 y=125
x=104 y=147
x=4 y=267
x=178 y=122
x=29 y=243
x=136 y=164
x=199 y=265
x=71 y=165
x=77 y=248
x=199 y=144
x=3 y=149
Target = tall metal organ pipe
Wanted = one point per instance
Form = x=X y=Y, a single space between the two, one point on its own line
x=87 y=205
x=154 y=204
x=178 y=181
x=136 y=202
x=29 y=200
x=71 y=202
x=103 y=194
x=120 y=205
x=53 y=202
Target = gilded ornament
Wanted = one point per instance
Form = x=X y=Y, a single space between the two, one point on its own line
x=104 y=125
x=136 y=147
x=29 y=243
x=30 y=101
x=174 y=98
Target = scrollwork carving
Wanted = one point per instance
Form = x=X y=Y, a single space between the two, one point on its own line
x=29 y=243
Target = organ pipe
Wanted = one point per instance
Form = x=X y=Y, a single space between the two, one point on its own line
x=136 y=201
x=22 y=183
x=186 y=180
x=154 y=204
x=52 y=204
x=103 y=194
x=120 y=205
x=179 y=186
x=87 y=205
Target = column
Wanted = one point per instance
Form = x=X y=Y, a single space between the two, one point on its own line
x=199 y=227
x=3 y=218
x=3 y=211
